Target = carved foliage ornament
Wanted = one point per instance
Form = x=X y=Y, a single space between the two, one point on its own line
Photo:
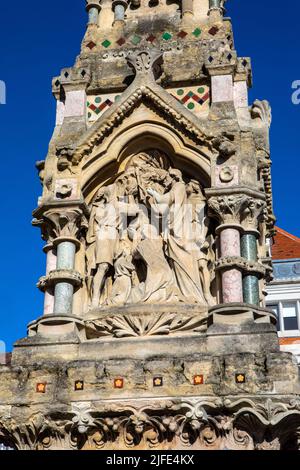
x=65 y=223
x=245 y=425
x=122 y=326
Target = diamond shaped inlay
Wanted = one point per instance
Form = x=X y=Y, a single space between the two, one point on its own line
x=106 y=43
x=136 y=39
x=197 y=32
x=182 y=34
x=91 y=45
x=121 y=41
x=167 y=36
x=214 y=30
x=193 y=98
x=151 y=38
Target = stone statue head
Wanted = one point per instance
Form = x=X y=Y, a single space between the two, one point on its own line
x=176 y=175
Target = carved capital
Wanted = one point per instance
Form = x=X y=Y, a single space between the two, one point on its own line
x=65 y=222
x=252 y=213
x=227 y=209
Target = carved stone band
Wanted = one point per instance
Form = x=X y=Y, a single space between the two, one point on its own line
x=248 y=267
x=60 y=275
x=210 y=424
x=139 y=321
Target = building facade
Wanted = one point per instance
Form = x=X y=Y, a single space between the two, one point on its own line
x=156 y=209
x=284 y=290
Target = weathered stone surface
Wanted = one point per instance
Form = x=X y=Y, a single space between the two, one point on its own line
x=156 y=171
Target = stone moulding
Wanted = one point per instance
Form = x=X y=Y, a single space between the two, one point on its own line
x=118 y=112
x=197 y=424
x=140 y=320
x=248 y=267
x=244 y=310
x=64 y=275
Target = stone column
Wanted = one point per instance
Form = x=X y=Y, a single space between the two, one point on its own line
x=63 y=293
x=93 y=8
x=231 y=278
x=187 y=9
x=66 y=223
x=119 y=7
x=227 y=209
x=250 y=281
x=215 y=11
x=50 y=266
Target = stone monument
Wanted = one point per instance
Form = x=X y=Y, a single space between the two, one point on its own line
x=156 y=213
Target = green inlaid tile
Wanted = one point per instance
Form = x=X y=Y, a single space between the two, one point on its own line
x=180 y=92
x=191 y=106
x=117 y=98
x=98 y=99
x=201 y=90
x=106 y=43
x=88 y=103
x=136 y=39
x=197 y=32
x=89 y=115
x=167 y=36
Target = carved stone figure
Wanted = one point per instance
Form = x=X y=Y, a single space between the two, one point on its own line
x=124 y=270
x=103 y=237
x=179 y=245
x=162 y=220
x=159 y=285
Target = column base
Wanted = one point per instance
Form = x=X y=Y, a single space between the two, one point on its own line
x=239 y=314
x=56 y=325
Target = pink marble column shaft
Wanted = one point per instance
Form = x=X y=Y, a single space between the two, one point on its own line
x=230 y=242
x=232 y=281
x=49 y=297
x=232 y=286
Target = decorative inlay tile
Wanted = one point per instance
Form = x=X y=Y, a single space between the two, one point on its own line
x=106 y=43
x=97 y=105
x=91 y=45
x=79 y=385
x=182 y=34
x=167 y=36
x=240 y=378
x=196 y=98
x=41 y=387
x=136 y=39
x=151 y=38
x=158 y=382
x=119 y=383
x=197 y=32
x=198 y=380
x=121 y=41
x=214 y=30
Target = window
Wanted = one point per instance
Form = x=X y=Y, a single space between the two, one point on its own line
x=288 y=315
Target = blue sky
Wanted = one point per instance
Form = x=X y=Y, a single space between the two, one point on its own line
x=40 y=38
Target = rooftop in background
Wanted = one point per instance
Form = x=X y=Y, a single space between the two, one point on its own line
x=286 y=246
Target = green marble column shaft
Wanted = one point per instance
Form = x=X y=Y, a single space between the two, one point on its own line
x=250 y=282
x=214 y=3
x=64 y=291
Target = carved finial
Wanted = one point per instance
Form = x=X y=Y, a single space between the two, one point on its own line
x=146 y=63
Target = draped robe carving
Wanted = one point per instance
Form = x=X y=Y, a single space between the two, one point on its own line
x=147 y=237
